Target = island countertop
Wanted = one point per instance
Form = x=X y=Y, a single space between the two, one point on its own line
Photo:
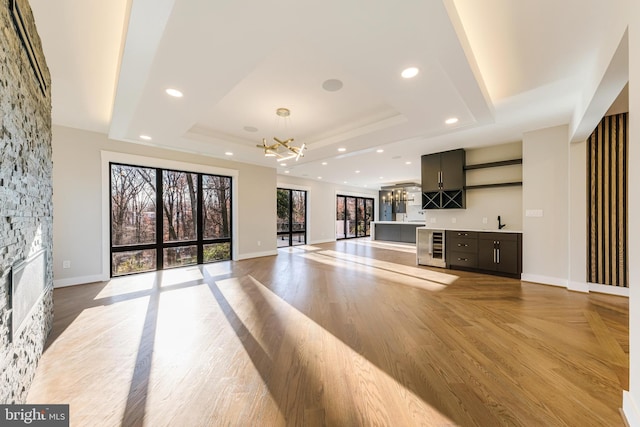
x=478 y=230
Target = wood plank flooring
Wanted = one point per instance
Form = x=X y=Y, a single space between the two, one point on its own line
x=350 y=333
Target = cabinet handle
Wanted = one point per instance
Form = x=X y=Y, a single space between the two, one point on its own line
x=462 y=245
x=498 y=255
x=463 y=234
x=494 y=255
x=463 y=259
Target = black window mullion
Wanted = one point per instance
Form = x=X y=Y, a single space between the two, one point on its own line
x=290 y=217
x=199 y=221
x=159 y=222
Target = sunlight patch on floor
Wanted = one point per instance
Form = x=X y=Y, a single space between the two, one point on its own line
x=422 y=273
x=176 y=276
x=128 y=284
x=378 y=273
x=320 y=360
x=299 y=248
x=398 y=247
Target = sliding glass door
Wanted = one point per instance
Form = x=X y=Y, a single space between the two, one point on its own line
x=353 y=216
x=292 y=217
x=165 y=218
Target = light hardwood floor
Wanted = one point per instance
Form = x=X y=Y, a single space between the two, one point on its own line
x=341 y=334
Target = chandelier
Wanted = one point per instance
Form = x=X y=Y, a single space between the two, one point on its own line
x=282 y=150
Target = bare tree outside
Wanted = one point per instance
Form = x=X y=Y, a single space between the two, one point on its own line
x=134 y=214
x=216 y=212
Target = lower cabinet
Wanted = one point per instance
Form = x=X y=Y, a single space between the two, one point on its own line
x=500 y=252
x=497 y=253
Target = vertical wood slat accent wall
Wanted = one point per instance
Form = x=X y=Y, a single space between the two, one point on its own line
x=607 y=202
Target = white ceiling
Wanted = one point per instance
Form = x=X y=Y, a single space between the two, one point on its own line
x=502 y=67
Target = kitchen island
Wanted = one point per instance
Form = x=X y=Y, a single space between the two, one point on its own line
x=395 y=231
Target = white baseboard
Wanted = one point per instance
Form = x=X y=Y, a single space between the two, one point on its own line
x=578 y=287
x=72 y=281
x=607 y=289
x=545 y=280
x=257 y=254
x=630 y=410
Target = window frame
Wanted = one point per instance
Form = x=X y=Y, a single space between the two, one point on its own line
x=357 y=219
x=160 y=245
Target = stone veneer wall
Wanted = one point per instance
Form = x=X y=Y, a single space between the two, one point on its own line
x=26 y=224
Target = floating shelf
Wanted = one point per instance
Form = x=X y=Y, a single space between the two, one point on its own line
x=493 y=164
x=500 y=184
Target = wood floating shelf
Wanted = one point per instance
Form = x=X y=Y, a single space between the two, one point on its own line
x=500 y=184
x=493 y=164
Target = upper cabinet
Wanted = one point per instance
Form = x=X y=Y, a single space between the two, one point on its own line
x=443 y=180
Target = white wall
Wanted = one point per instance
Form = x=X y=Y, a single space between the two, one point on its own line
x=546 y=188
x=631 y=399
x=321 y=204
x=487 y=202
x=77 y=201
x=578 y=217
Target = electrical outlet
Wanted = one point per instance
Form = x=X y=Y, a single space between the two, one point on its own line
x=485 y=220
x=453 y=220
x=66 y=264
x=433 y=220
x=259 y=243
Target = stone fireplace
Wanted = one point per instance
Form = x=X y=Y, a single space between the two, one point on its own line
x=26 y=274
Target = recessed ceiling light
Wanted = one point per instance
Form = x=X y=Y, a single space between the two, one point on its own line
x=174 y=92
x=286 y=171
x=342 y=149
x=381 y=177
x=145 y=137
x=345 y=182
x=250 y=128
x=319 y=177
x=324 y=163
x=228 y=153
x=357 y=171
x=332 y=85
x=407 y=163
x=283 y=164
x=380 y=150
x=410 y=72
x=451 y=120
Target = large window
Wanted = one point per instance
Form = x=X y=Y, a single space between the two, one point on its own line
x=165 y=218
x=353 y=217
x=292 y=217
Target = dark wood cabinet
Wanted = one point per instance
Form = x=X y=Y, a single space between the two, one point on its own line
x=443 y=180
x=431 y=172
x=496 y=253
x=500 y=252
x=462 y=249
x=452 y=173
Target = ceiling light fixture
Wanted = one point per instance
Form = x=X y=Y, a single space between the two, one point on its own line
x=145 y=137
x=174 y=92
x=409 y=73
x=451 y=121
x=283 y=150
x=380 y=150
x=228 y=153
x=324 y=163
x=342 y=149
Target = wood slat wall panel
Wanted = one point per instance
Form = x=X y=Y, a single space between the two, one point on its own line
x=607 y=198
